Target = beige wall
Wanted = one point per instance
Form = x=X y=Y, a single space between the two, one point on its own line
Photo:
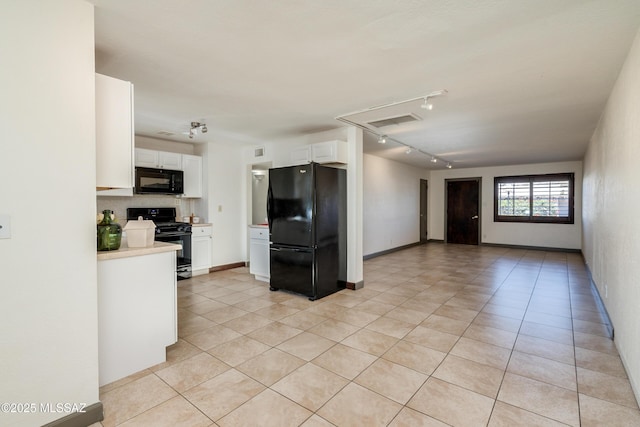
x=564 y=236
x=611 y=233
x=391 y=204
x=49 y=331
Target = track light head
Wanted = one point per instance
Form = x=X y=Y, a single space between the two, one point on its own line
x=382 y=139
x=408 y=151
x=434 y=160
x=449 y=165
x=426 y=105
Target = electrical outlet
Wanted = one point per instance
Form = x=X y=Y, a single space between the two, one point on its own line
x=219 y=208
x=606 y=291
x=177 y=202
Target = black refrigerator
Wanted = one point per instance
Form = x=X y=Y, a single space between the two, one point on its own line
x=307 y=213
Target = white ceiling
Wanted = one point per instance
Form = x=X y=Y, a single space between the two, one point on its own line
x=527 y=79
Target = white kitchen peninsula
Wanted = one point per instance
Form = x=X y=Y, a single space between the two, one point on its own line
x=137 y=308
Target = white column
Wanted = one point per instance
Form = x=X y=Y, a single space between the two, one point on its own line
x=355 y=276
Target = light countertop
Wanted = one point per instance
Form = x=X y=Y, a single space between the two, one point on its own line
x=201 y=224
x=259 y=225
x=125 y=251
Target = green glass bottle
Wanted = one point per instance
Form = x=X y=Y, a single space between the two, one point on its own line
x=109 y=233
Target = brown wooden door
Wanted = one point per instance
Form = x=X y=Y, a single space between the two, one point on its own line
x=463 y=207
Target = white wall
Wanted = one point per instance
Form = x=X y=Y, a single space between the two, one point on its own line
x=48 y=332
x=225 y=201
x=391 y=204
x=564 y=236
x=611 y=243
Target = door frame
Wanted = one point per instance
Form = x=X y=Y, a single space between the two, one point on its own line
x=424 y=205
x=446 y=203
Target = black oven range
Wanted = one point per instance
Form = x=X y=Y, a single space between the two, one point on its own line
x=170 y=231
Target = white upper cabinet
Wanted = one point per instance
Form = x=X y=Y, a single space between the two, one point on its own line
x=192 y=167
x=146 y=158
x=158 y=159
x=170 y=160
x=114 y=134
x=329 y=152
x=300 y=155
x=321 y=152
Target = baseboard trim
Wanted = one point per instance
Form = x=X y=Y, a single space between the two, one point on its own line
x=388 y=251
x=226 y=266
x=91 y=415
x=532 y=248
x=599 y=302
x=354 y=286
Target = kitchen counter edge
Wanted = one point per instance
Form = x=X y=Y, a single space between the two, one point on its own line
x=126 y=252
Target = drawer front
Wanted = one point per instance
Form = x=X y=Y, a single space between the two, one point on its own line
x=201 y=231
x=259 y=233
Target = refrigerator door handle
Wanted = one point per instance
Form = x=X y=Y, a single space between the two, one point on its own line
x=269 y=197
x=290 y=249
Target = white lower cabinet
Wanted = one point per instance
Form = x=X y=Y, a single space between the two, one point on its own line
x=201 y=239
x=259 y=253
x=137 y=313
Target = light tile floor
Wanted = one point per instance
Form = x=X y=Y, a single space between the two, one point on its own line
x=440 y=335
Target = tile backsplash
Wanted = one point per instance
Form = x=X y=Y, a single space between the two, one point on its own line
x=119 y=205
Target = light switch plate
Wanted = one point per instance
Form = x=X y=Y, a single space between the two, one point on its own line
x=5 y=226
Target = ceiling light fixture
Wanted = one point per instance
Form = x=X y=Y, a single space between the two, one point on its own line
x=194 y=129
x=434 y=160
x=382 y=139
x=426 y=105
x=449 y=165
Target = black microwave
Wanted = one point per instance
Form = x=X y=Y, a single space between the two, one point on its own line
x=159 y=181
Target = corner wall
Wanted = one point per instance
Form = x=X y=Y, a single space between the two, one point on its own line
x=49 y=327
x=611 y=234
x=225 y=201
x=391 y=204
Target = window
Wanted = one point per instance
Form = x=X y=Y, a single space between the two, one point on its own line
x=534 y=198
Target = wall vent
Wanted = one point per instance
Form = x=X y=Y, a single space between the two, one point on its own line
x=397 y=120
x=258 y=152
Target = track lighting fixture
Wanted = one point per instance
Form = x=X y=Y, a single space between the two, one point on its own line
x=426 y=105
x=194 y=129
x=424 y=101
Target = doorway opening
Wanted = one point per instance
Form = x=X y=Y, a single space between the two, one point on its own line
x=424 y=186
x=462 y=215
x=259 y=188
